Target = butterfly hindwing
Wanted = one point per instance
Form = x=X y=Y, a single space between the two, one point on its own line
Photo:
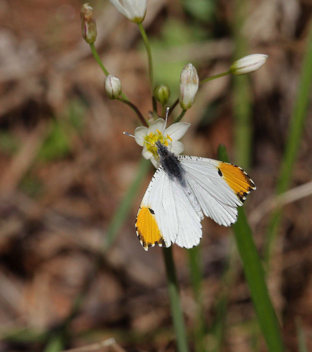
x=168 y=214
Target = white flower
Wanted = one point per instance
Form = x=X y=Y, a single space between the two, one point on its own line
x=112 y=86
x=147 y=137
x=189 y=83
x=247 y=64
x=134 y=10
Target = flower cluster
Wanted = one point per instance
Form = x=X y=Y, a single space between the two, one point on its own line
x=146 y=136
x=157 y=131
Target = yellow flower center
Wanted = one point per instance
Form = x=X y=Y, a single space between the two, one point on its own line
x=152 y=138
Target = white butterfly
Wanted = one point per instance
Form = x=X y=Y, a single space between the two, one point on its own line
x=183 y=190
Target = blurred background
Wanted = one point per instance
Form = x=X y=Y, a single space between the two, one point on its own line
x=66 y=168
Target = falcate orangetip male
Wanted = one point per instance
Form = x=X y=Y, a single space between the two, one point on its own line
x=183 y=190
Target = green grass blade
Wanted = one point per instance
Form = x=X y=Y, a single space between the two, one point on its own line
x=296 y=127
x=56 y=341
x=196 y=275
x=218 y=327
x=255 y=277
x=125 y=206
x=241 y=91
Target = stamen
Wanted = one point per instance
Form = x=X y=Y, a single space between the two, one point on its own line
x=167 y=114
x=158 y=132
x=142 y=139
x=169 y=137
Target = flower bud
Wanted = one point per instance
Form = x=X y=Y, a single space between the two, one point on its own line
x=134 y=10
x=189 y=83
x=112 y=87
x=247 y=64
x=162 y=93
x=88 y=25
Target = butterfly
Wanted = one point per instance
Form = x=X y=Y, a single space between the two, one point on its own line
x=183 y=190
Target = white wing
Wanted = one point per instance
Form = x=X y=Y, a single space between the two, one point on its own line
x=169 y=213
x=219 y=187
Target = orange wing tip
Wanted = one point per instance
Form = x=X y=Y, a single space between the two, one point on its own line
x=147 y=228
x=236 y=178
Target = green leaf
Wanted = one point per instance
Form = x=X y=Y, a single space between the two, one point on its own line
x=255 y=277
x=296 y=128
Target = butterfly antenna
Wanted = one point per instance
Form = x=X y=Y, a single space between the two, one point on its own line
x=128 y=134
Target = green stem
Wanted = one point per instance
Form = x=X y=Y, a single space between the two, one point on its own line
x=299 y=115
x=123 y=97
x=196 y=280
x=176 y=310
x=135 y=109
x=150 y=64
x=228 y=278
x=255 y=277
x=99 y=61
x=180 y=117
x=173 y=106
x=163 y=111
x=215 y=77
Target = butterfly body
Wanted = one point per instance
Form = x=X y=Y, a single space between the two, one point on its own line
x=183 y=190
x=170 y=163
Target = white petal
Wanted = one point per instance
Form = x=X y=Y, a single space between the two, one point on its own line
x=189 y=84
x=177 y=147
x=146 y=154
x=120 y=8
x=155 y=162
x=134 y=10
x=140 y=133
x=159 y=124
x=248 y=64
x=177 y=130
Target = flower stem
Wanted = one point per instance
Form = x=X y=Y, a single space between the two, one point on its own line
x=123 y=98
x=97 y=58
x=150 y=63
x=135 y=109
x=215 y=77
x=179 y=118
x=196 y=275
x=99 y=61
x=175 y=304
x=173 y=106
x=163 y=110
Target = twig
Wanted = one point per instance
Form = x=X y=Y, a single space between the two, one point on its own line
x=279 y=201
x=98 y=346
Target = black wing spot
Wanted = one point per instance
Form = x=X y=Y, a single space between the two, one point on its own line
x=151 y=211
x=220 y=172
x=242 y=196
